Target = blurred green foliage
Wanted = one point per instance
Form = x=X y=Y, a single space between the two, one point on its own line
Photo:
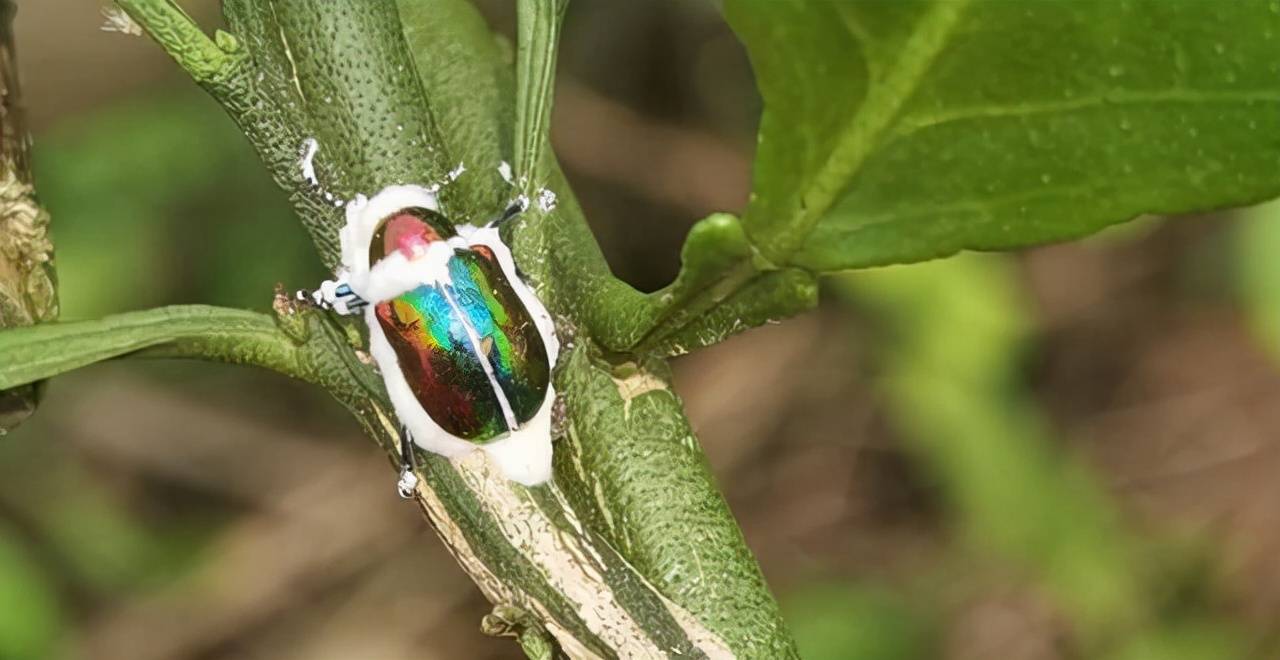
x=32 y=621
x=836 y=621
x=951 y=343
x=153 y=199
x=1257 y=271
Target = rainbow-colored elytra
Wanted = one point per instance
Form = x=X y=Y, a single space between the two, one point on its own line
x=468 y=348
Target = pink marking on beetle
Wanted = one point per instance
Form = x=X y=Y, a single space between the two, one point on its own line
x=413 y=246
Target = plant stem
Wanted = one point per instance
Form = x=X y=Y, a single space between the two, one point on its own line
x=28 y=288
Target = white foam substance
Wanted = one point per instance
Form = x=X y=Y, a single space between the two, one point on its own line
x=524 y=454
x=547 y=200
x=309 y=149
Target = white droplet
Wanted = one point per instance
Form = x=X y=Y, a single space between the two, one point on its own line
x=547 y=200
x=309 y=148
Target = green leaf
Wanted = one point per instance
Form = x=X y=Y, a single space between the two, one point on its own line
x=191 y=330
x=902 y=131
x=722 y=289
x=538 y=22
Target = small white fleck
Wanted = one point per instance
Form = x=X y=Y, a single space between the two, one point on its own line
x=505 y=170
x=407 y=484
x=328 y=195
x=309 y=148
x=457 y=172
x=523 y=202
x=118 y=21
x=547 y=200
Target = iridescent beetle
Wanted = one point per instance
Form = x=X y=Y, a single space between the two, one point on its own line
x=464 y=346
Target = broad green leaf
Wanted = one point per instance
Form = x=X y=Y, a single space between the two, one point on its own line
x=902 y=131
x=42 y=351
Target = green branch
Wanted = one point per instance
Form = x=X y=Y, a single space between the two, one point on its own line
x=339 y=72
x=28 y=285
x=208 y=63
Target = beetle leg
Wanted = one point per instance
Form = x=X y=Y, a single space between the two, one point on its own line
x=516 y=208
x=408 y=482
x=336 y=296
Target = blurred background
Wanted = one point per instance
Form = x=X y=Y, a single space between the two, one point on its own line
x=1069 y=452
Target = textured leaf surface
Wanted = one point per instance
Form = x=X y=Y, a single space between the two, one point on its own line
x=902 y=131
x=469 y=80
x=634 y=468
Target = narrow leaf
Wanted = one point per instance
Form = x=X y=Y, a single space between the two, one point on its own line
x=33 y=353
x=538 y=25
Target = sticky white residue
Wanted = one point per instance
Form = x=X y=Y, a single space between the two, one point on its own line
x=547 y=200
x=309 y=149
x=116 y=20
x=523 y=202
x=457 y=171
x=504 y=169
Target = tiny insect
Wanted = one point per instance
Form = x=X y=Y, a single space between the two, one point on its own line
x=465 y=347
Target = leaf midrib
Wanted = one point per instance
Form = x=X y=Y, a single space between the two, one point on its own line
x=884 y=100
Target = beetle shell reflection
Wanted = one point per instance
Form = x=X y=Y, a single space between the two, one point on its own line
x=468 y=348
